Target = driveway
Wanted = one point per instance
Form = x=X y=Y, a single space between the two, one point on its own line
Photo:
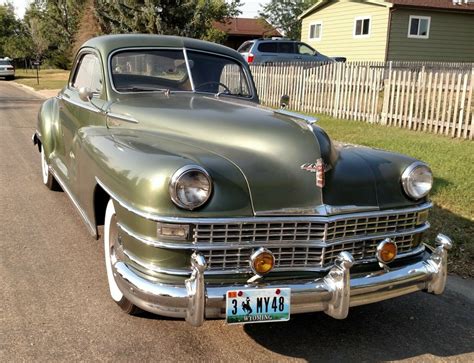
x=55 y=304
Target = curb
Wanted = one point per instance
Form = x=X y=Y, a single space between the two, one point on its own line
x=32 y=91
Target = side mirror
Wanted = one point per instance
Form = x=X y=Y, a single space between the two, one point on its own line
x=284 y=101
x=85 y=94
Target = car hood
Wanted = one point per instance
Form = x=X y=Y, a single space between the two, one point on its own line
x=266 y=147
x=269 y=149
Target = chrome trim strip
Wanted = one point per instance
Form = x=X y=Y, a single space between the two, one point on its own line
x=82 y=105
x=214 y=220
x=82 y=213
x=216 y=246
x=188 y=67
x=154 y=268
x=309 y=119
x=122 y=117
x=154 y=243
x=323 y=210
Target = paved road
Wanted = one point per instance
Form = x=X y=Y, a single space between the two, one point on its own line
x=55 y=304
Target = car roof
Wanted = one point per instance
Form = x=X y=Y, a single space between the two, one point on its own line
x=275 y=40
x=108 y=43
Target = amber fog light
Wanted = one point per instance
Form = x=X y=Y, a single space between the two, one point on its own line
x=262 y=261
x=386 y=251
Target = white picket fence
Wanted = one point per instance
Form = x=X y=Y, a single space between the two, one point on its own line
x=432 y=97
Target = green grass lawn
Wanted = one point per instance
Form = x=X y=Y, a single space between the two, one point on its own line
x=48 y=78
x=452 y=162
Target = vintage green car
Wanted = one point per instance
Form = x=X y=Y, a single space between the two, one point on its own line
x=216 y=207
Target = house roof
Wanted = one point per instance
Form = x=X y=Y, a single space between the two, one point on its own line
x=431 y=4
x=435 y=4
x=247 y=26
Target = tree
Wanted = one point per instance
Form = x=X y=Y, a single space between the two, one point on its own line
x=192 y=18
x=55 y=22
x=39 y=43
x=10 y=29
x=283 y=15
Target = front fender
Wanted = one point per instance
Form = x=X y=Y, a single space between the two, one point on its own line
x=137 y=166
x=48 y=126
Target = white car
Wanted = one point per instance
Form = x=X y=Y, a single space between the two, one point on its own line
x=7 y=69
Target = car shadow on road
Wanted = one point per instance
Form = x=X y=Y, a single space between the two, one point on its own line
x=407 y=327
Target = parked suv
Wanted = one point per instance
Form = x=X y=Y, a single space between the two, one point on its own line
x=280 y=50
x=7 y=69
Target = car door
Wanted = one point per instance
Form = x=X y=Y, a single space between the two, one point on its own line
x=267 y=52
x=76 y=114
x=286 y=51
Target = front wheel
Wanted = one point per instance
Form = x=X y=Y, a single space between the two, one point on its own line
x=112 y=249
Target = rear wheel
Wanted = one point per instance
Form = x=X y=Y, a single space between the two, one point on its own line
x=48 y=178
x=113 y=250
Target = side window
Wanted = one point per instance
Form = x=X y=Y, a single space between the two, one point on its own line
x=285 y=47
x=304 y=49
x=267 y=47
x=245 y=48
x=88 y=74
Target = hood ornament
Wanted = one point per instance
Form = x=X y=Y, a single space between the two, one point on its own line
x=319 y=168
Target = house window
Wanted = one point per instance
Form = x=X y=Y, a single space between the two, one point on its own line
x=362 y=27
x=316 y=30
x=419 y=27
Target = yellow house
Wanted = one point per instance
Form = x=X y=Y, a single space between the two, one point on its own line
x=382 y=30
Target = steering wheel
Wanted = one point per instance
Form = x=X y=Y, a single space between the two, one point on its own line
x=227 y=90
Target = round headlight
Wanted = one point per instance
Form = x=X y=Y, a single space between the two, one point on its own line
x=417 y=180
x=190 y=187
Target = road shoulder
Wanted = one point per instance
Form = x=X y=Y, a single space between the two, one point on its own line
x=46 y=93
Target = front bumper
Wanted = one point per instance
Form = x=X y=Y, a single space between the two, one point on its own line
x=334 y=294
x=7 y=73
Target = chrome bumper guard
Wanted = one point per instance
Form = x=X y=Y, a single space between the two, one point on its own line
x=334 y=294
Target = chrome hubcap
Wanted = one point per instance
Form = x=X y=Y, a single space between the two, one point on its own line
x=115 y=246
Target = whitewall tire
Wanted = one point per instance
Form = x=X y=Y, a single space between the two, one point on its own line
x=47 y=177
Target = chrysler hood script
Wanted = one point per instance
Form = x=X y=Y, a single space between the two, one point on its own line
x=317 y=168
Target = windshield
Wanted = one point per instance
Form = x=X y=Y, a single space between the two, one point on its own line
x=166 y=70
x=150 y=70
x=5 y=63
x=215 y=74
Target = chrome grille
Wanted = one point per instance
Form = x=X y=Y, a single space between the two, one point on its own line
x=258 y=232
x=237 y=259
x=371 y=225
x=300 y=231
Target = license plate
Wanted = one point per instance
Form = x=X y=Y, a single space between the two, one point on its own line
x=258 y=306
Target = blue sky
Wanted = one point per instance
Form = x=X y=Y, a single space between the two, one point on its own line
x=249 y=9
